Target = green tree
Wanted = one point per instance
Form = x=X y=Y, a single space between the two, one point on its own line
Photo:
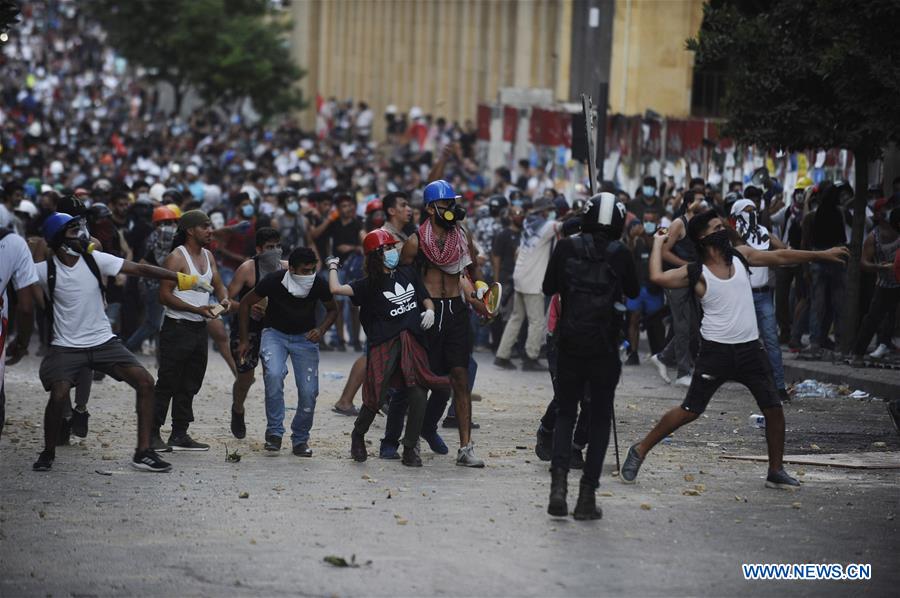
x=228 y=50
x=810 y=74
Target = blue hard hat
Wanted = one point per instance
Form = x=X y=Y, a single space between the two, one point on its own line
x=54 y=225
x=439 y=190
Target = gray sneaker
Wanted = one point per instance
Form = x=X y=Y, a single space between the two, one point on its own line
x=630 y=467
x=466 y=457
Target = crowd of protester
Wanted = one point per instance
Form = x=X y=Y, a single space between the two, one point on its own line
x=80 y=135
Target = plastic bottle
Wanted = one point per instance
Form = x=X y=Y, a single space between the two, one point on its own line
x=758 y=421
x=623 y=351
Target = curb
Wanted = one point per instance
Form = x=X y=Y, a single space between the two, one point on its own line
x=876 y=388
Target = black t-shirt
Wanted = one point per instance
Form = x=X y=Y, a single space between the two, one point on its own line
x=286 y=313
x=641 y=252
x=505 y=245
x=344 y=234
x=391 y=307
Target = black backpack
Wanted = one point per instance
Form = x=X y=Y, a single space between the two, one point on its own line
x=51 y=285
x=590 y=323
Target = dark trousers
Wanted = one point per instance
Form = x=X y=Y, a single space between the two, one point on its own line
x=601 y=374
x=413 y=398
x=884 y=305
x=548 y=422
x=183 y=349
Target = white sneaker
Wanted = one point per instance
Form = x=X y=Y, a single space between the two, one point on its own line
x=466 y=457
x=660 y=368
x=683 y=381
x=880 y=351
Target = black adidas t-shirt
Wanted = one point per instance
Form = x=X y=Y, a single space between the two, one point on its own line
x=391 y=307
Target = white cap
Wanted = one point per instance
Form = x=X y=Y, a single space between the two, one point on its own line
x=192 y=169
x=56 y=168
x=415 y=112
x=156 y=192
x=27 y=207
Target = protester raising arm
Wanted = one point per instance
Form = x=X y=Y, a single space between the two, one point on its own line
x=789 y=257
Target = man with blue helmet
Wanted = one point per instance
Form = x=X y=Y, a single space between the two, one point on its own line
x=445 y=256
x=73 y=279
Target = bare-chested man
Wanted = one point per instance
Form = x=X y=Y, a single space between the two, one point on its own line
x=444 y=253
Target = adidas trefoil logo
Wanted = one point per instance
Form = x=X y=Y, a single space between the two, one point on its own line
x=401 y=297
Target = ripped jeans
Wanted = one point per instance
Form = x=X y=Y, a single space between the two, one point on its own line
x=274 y=349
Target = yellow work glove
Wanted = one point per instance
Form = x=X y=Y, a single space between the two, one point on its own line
x=191 y=282
x=481 y=289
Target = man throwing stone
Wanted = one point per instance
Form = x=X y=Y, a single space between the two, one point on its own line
x=730 y=348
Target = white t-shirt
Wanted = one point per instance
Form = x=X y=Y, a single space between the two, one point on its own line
x=15 y=265
x=532 y=259
x=79 y=316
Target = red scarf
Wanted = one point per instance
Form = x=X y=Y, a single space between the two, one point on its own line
x=455 y=247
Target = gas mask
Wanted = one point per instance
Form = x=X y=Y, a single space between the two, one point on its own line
x=449 y=216
x=81 y=243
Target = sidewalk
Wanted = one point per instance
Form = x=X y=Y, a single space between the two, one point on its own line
x=881 y=383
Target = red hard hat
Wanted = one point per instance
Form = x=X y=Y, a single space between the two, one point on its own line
x=373 y=206
x=161 y=213
x=377 y=239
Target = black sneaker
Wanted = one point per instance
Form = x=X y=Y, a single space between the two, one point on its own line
x=532 y=365
x=633 y=359
x=577 y=459
x=44 y=461
x=781 y=481
x=273 y=443
x=450 y=422
x=148 y=460
x=504 y=364
x=238 y=427
x=65 y=431
x=543 y=447
x=80 y=423
x=358 y=447
x=184 y=442
x=411 y=457
x=302 y=450
x=630 y=467
x=157 y=444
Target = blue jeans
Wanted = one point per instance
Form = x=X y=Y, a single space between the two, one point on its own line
x=153 y=314
x=274 y=349
x=768 y=332
x=827 y=290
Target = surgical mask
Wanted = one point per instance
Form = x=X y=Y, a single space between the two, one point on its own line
x=247 y=211
x=649 y=227
x=292 y=207
x=298 y=285
x=391 y=258
x=649 y=190
x=551 y=215
x=670 y=209
x=269 y=261
x=517 y=203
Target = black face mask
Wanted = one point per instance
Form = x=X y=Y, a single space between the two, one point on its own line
x=721 y=241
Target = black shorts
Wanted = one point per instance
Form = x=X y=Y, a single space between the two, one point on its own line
x=64 y=364
x=253 y=335
x=717 y=363
x=449 y=341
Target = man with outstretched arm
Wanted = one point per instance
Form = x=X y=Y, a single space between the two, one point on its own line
x=730 y=348
x=73 y=279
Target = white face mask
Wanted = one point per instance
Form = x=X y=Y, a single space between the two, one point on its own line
x=298 y=285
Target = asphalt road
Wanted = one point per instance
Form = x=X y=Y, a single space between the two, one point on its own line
x=684 y=529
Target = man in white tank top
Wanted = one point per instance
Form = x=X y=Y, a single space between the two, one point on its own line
x=183 y=339
x=730 y=348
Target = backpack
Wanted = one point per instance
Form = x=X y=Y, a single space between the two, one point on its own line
x=590 y=323
x=51 y=285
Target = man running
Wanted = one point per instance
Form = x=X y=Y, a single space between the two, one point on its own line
x=183 y=339
x=267 y=260
x=444 y=254
x=73 y=279
x=730 y=348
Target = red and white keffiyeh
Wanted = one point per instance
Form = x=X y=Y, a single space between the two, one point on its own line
x=453 y=256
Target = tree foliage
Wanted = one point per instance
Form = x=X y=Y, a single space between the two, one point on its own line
x=806 y=73
x=228 y=50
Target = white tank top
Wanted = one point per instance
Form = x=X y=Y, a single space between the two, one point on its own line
x=729 y=316
x=195 y=298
